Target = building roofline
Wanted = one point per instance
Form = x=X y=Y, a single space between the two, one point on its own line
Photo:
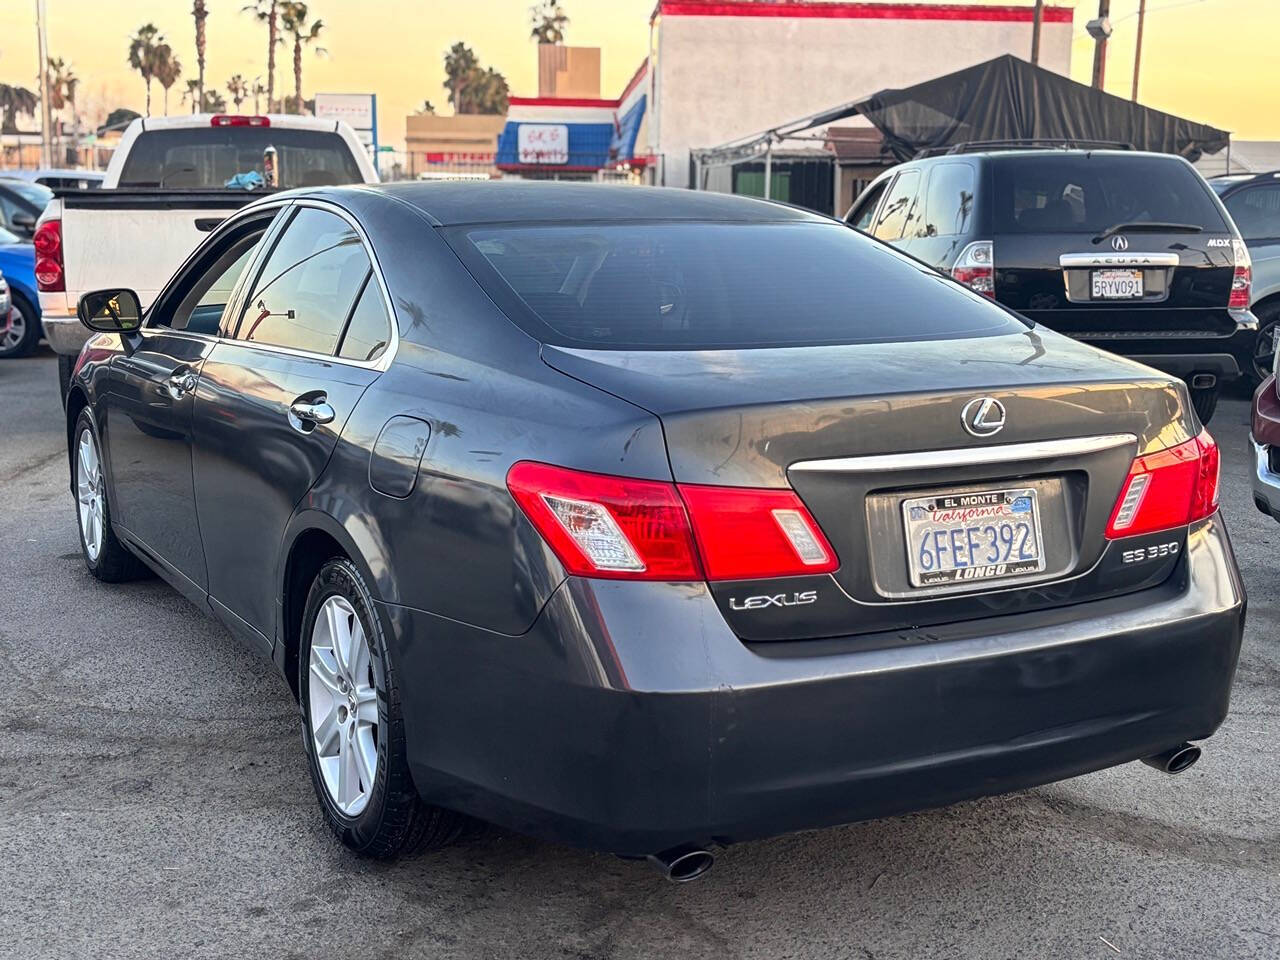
x=1005 y=13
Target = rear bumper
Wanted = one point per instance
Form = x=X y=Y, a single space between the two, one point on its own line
x=65 y=333
x=1181 y=352
x=1266 y=481
x=630 y=719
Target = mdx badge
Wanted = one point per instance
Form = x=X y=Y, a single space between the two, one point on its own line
x=983 y=416
x=798 y=599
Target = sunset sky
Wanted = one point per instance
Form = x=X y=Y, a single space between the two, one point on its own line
x=1208 y=60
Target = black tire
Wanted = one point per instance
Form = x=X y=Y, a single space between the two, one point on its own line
x=65 y=366
x=1204 y=401
x=1265 y=346
x=395 y=821
x=113 y=563
x=30 y=330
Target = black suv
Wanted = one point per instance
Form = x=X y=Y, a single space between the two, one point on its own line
x=1128 y=251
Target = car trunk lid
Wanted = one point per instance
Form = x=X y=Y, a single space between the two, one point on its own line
x=858 y=432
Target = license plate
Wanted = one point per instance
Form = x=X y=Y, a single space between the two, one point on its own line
x=964 y=537
x=1117 y=284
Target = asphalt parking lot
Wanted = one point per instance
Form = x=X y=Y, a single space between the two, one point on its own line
x=154 y=802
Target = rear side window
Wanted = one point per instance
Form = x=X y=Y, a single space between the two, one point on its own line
x=1256 y=211
x=703 y=286
x=896 y=217
x=948 y=208
x=860 y=218
x=207 y=158
x=1087 y=193
x=369 y=331
x=305 y=291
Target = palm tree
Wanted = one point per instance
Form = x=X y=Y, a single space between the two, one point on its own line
x=62 y=92
x=239 y=90
x=13 y=101
x=548 y=21
x=268 y=12
x=294 y=18
x=460 y=64
x=168 y=70
x=142 y=54
x=192 y=93
x=200 y=13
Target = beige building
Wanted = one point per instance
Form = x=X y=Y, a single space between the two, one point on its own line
x=461 y=144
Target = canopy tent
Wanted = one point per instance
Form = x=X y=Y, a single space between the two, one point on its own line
x=1000 y=100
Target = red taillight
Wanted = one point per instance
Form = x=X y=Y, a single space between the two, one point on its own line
x=1168 y=489
x=976 y=268
x=238 y=120
x=603 y=526
x=746 y=533
x=48 y=244
x=1241 y=278
x=620 y=527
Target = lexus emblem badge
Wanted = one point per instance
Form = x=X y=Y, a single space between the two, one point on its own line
x=1119 y=242
x=983 y=416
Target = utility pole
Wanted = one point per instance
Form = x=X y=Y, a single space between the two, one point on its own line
x=1035 y=32
x=46 y=115
x=1137 y=54
x=1100 y=30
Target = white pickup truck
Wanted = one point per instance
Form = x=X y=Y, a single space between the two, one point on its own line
x=170 y=182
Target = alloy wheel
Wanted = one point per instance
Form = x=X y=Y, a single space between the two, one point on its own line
x=1264 y=350
x=17 y=330
x=343 y=706
x=89 y=493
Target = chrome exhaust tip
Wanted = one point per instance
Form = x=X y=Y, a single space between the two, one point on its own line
x=683 y=864
x=1175 y=759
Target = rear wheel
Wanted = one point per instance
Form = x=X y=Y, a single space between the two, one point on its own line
x=1204 y=400
x=104 y=554
x=353 y=729
x=1264 y=350
x=23 y=331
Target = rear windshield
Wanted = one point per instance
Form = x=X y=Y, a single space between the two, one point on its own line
x=699 y=286
x=1089 y=193
x=207 y=158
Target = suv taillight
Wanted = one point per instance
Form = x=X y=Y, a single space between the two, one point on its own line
x=1241 y=277
x=976 y=267
x=623 y=528
x=1167 y=489
x=48 y=243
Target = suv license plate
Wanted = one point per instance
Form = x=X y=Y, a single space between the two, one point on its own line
x=1117 y=284
x=963 y=537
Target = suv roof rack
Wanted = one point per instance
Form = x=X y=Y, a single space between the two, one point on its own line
x=1033 y=143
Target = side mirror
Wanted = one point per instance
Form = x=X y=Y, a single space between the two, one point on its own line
x=24 y=221
x=110 y=311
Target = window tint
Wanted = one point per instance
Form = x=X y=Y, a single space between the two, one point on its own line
x=1256 y=211
x=897 y=215
x=1088 y=193
x=35 y=194
x=948 y=207
x=207 y=157
x=861 y=217
x=306 y=289
x=696 y=286
x=202 y=308
x=369 y=331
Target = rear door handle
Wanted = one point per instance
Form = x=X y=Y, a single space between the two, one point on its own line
x=306 y=414
x=180 y=383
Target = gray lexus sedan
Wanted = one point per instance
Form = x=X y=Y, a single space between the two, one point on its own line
x=652 y=520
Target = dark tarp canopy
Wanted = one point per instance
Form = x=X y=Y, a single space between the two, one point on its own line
x=1003 y=99
x=1010 y=99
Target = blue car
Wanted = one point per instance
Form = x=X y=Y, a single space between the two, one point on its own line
x=20 y=329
